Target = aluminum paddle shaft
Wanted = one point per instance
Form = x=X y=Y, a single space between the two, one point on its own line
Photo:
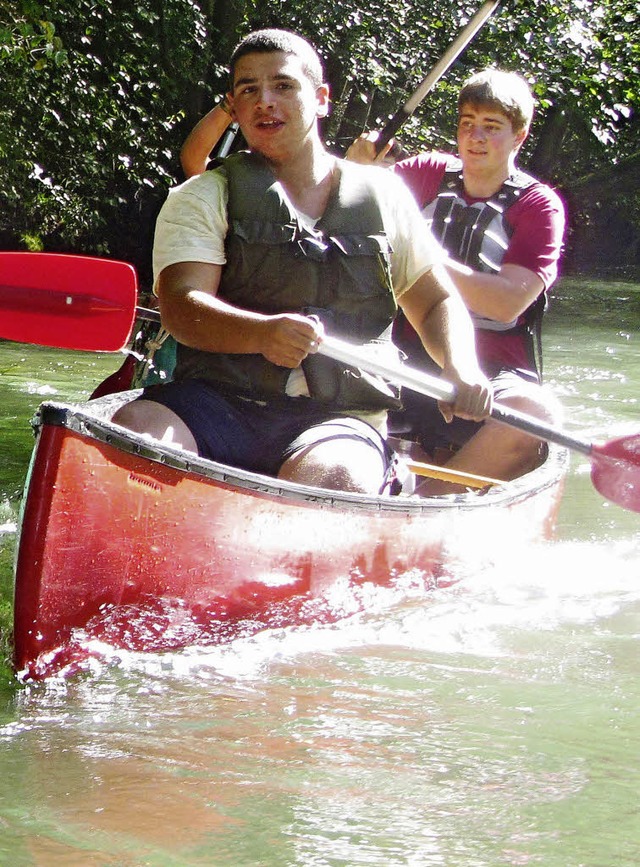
x=433 y=77
x=615 y=468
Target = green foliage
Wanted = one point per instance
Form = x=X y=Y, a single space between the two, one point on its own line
x=6 y=605
x=99 y=95
x=90 y=125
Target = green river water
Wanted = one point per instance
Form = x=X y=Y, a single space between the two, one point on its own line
x=494 y=723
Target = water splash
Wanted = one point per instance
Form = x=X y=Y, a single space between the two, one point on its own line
x=480 y=613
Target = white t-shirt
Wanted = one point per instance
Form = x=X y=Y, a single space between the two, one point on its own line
x=192 y=226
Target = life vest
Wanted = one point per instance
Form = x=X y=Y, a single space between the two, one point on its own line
x=478 y=235
x=338 y=271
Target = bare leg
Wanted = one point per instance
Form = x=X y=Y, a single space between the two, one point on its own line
x=340 y=465
x=500 y=451
x=157 y=421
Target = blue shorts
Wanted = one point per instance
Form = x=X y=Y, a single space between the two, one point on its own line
x=253 y=435
x=421 y=420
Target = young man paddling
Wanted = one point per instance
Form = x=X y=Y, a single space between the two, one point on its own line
x=254 y=258
x=508 y=228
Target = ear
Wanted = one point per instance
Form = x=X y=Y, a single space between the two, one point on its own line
x=521 y=137
x=229 y=101
x=324 y=101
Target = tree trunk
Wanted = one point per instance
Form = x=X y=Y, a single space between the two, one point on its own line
x=549 y=143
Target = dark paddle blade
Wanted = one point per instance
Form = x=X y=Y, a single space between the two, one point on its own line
x=615 y=471
x=71 y=302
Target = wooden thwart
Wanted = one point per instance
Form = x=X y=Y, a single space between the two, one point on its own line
x=468 y=480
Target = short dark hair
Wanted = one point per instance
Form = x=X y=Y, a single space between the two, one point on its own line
x=273 y=39
x=506 y=92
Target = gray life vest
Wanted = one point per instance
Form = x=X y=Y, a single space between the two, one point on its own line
x=338 y=271
x=478 y=234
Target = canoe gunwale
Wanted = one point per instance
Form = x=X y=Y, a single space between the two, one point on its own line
x=92 y=419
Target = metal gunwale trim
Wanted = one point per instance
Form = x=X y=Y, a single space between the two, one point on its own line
x=81 y=420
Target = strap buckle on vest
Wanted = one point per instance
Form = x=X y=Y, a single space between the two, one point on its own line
x=312 y=247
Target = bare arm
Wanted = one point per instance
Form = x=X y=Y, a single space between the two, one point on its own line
x=439 y=316
x=502 y=296
x=193 y=313
x=202 y=139
x=363 y=150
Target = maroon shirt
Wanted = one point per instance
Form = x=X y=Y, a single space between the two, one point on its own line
x=537 y=219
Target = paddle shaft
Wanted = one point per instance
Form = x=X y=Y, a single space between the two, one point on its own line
x=424 y=383
x=433 y=77
x=147 y=313
x=431 y=386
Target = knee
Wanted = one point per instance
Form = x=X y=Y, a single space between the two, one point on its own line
x=157 y=421
x=133 y=416
x=536 y=401
x=307 y=469
x=354 y=467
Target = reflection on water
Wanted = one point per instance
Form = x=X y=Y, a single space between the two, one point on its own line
x=482 y=726
x=491 y=723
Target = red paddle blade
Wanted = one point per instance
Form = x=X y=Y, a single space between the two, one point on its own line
x=615 y=471
x=71 y=302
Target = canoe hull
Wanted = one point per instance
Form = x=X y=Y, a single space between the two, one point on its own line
x=112 y=525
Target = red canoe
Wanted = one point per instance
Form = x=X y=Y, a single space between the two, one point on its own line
x=145 y=547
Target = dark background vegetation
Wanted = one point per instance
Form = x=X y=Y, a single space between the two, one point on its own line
x=98 y=95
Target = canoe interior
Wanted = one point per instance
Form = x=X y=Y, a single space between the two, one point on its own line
x=143 y=546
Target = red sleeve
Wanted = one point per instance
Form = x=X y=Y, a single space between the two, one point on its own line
x=423 y=175
x=538 y=221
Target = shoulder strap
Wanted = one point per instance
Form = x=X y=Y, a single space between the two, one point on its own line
x=355 y=205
